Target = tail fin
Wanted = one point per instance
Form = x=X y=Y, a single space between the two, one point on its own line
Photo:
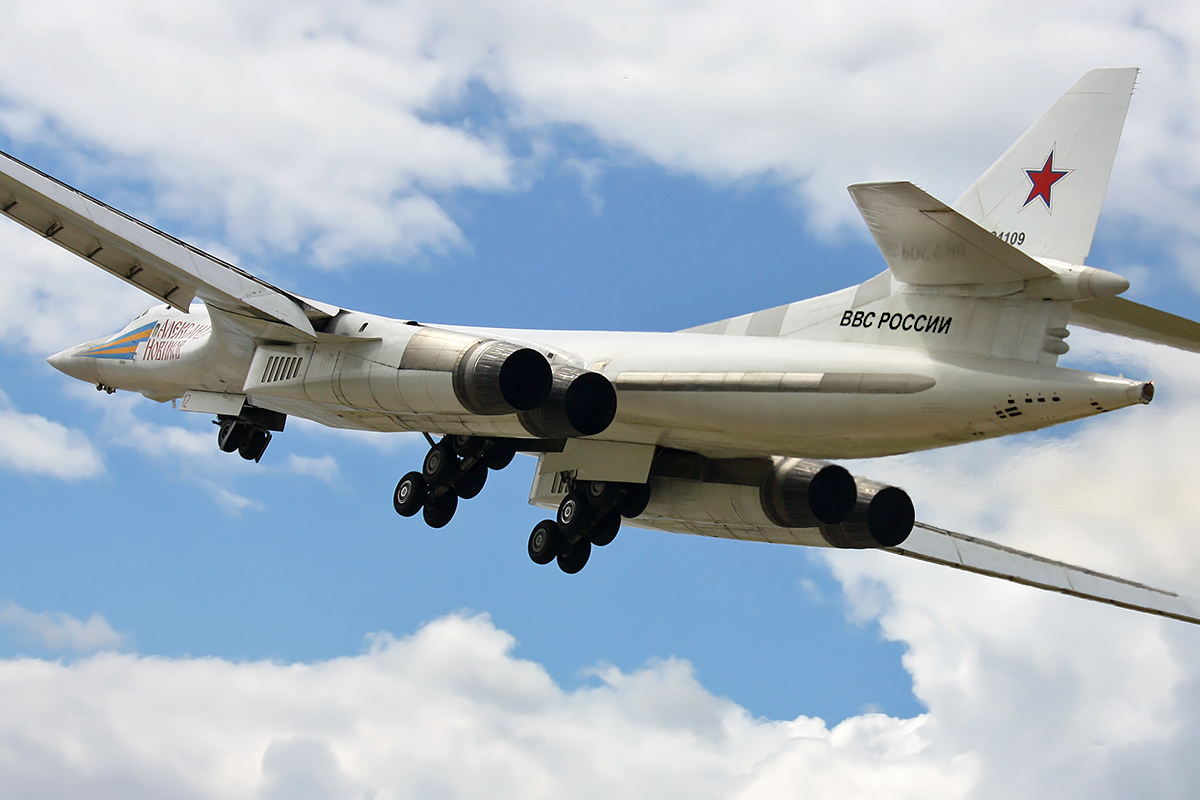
x=1044 y=194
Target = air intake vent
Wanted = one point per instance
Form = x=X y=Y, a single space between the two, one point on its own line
x=281 y=368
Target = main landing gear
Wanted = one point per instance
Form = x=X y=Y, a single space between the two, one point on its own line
x=589 y=515
x=456 y=467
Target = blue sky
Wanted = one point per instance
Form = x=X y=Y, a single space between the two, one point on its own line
x=540 y=166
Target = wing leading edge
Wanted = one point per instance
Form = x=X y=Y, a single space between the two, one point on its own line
x=158 y=264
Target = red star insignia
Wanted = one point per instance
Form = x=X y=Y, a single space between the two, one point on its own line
x=1043 y=179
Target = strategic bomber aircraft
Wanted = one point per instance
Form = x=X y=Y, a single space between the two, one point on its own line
x=720 y=430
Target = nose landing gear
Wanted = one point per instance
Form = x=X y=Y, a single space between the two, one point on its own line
x=249 y=433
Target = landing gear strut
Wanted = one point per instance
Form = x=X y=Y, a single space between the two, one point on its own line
x=590 y=515
x=455 y=467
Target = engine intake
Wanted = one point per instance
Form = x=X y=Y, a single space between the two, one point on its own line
x=580 y=403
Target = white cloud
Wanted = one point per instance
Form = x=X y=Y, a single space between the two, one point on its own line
x=192 y=449
x=324 y=468
x=56 y=630
x=296 y=126
x=31 y=443
x=1059 y=696
x=447 y=712
x=333 y=131
x=51 y=299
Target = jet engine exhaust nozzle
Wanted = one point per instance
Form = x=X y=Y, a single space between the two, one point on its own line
x=800 y=493
x=580 y=403
x=496 y=377
x=883 y=516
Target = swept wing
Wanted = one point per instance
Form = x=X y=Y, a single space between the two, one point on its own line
x=940 y=546
x=972 y=554
x=160 y=265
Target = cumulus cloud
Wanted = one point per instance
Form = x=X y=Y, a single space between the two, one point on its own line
x=56 y=630
x=295 y=126
x=32 y=444
x=1057 y=692
x=192 y=449
x=336 y=132
x=51 y=299
x=447 y=712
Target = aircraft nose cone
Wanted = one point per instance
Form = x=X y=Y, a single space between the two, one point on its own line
x=66 y=362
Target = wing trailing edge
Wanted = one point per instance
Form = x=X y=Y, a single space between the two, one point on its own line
x=957 y=550
x=159 y=264
x=1122 y=317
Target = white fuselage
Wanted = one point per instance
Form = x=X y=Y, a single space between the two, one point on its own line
x=716 y=395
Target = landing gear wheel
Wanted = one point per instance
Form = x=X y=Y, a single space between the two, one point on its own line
x=636 y=500
x=440 y=510
x=545 y=543
x=573 y=559
x=605 y=530
x=409 y=497
x=468 y=446
x=440 y=465
x=255 y=444
x=500 y=454
x=573 y=513
x=603 y=494
x=471 y=482
x=231 y=435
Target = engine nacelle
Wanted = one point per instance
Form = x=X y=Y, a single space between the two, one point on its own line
x=793 y=493
x=495 y=377
x=430 y=371
x=882 y=516
x=488 y=376
x=581 y=403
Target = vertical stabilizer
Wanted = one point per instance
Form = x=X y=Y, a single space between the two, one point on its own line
x=1044 y=194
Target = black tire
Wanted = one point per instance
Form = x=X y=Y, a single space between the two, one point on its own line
x=574 y=514
x=545 y=543
x=574 y=558
x=606 y=530
x=409 y=497
x=231 y=435
x=500 y=454
x=636 y=499
x=471 y=482
x=604 y=494
x=468 y=446
x=440 y=466
x=255 y=444
x=439 y=511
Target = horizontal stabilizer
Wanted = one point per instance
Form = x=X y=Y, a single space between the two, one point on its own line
x=957 y=550
x=160 y=265
x=1135 y=321
x=926 y=242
